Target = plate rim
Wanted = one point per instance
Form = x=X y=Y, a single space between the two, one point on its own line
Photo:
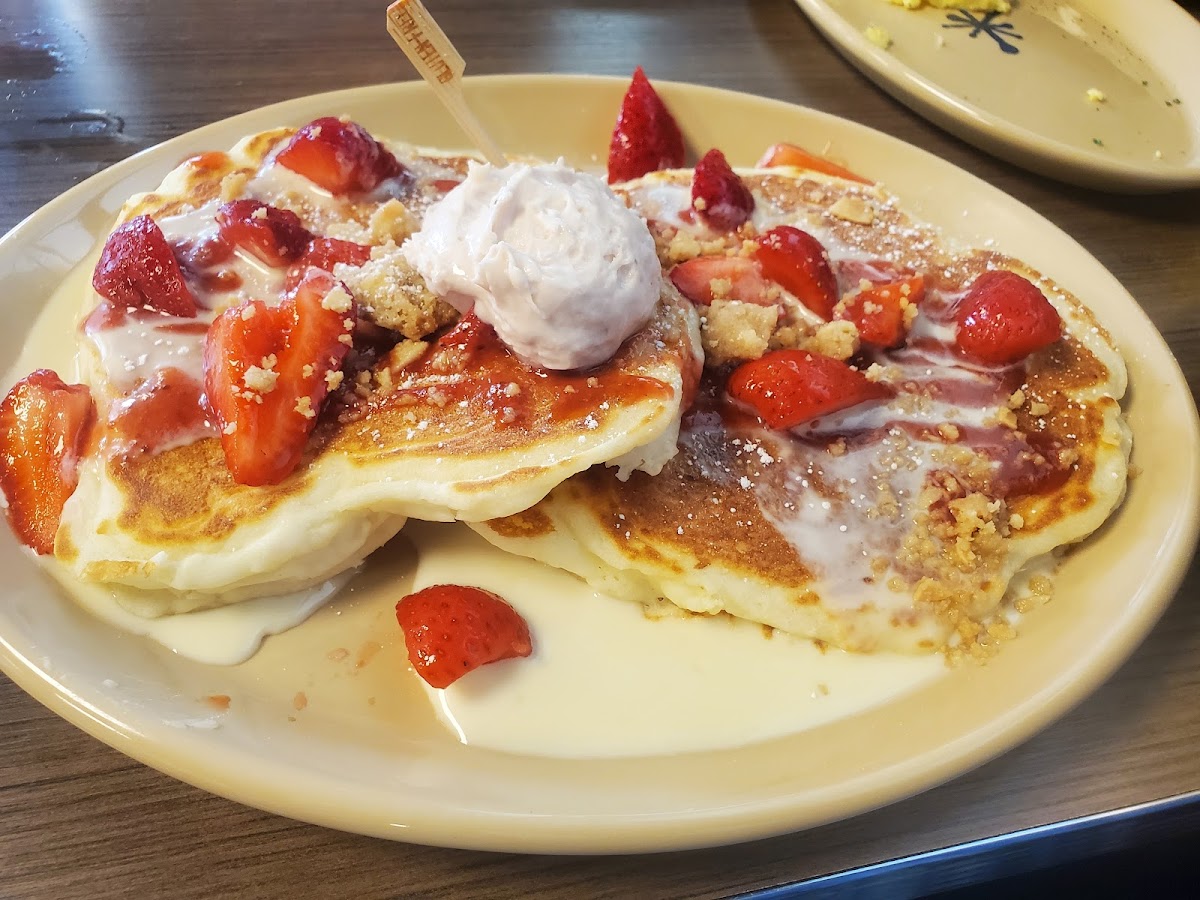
x=614 y=833
x=994 y=134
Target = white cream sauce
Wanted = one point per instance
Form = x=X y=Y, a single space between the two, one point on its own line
x=606 y=681
x=274 y=180
x=224 y=636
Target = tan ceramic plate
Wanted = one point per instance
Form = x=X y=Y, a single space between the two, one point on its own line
x=366 y=754
x=1017 y=84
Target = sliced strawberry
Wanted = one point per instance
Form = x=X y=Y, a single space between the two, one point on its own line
x=274 y=235
x=719 y=196
x=450 y=630
x=791 y=155
x=265 y=374
x=1003 y=318
x=44 y=429
x=137 y=269
x=788 y=387
x=695 y=278
x=797 y=261
x=339 y=156
x=879 y=311
x=325 y=253
x=646 y=137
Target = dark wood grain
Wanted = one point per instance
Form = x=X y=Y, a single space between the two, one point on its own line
x=89 y=84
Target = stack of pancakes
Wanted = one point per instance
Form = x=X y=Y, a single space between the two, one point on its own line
x=830 y=530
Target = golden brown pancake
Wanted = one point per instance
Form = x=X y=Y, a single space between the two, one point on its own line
x=430 y=420
x=897 y=525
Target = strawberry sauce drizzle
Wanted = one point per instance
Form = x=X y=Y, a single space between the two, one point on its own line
x=166 y=410
x=471 y=364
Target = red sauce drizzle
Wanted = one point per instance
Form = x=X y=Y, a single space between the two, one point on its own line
x=490 y=367
x=191 y=327
x=163 y=410
x=202 y=263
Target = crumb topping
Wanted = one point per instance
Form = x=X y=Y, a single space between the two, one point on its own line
x=337 y=300
x=305 y=408
x=733 y=331
x=838 y=339
x=853 y=209
x=392 y=294
x=261 y=379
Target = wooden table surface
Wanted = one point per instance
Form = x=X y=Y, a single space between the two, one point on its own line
x=87 y=84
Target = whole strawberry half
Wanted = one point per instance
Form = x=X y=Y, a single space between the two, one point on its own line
x=646 y=137
x=450 y=630
x=138 y=268
x=786 y=388
x=44 y=428
x=342 y=157
x=719 y=196
x=276 y=236
x=1003 y=318
x=265 y=374
x=798 y=262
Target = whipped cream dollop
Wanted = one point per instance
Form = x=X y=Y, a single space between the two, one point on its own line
x=547 y=255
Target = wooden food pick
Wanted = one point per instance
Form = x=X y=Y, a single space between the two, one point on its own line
x=426 y=45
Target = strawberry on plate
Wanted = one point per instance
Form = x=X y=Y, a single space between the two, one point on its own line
x=325 y=253
x=719 y=196
x=340 y=157
x=745 y=282
x=785 y=154
x=276 y=236
x=44 y=428
x=265 y=374
x=138 y=268
x=450 y=630
x=880 y=311
x=1003 y=318
x=797 y=261
x=646 y=137
x=786 y=388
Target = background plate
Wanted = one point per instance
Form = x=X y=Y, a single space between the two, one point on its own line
x=367 y=756
x=1016 y=84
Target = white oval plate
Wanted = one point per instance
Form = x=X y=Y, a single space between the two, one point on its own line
x=1016 y=84
x=367 y=755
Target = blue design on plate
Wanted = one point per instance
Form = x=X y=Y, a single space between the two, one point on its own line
x=988 y=25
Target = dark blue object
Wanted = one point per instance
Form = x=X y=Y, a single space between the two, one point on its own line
x=988 y=25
